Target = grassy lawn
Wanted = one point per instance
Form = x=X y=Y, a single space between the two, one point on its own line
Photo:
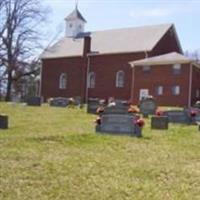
x=54 y=153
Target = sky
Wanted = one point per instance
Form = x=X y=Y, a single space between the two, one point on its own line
x=111 y=14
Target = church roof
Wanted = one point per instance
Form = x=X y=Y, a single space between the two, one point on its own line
x=166 y=59
x=66 y=47
x=75 y=15
x=128 y=40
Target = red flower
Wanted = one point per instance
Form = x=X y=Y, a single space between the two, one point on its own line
x=159 y=113
x=98 y=121
x=140 y=122
x=193 y=113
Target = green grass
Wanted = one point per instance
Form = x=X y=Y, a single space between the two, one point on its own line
x=54 y=153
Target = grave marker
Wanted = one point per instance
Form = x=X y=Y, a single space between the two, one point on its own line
x=148 y=106
x=178 y=116
x=34 y=101
x=159 y=122
x=3 y=122
x=59 y=102
x=92 y=106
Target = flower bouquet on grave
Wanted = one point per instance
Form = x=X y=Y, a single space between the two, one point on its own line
x=139 y=124
x=132 y=109
x=159 y=113
x=71 y=103
x=100 y=110
x=98 y=123
x=193 y=114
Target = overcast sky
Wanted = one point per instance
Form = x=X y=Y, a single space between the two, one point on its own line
x=109 y=14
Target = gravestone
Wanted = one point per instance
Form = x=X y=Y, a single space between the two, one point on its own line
x=92 y=106
x=197 y=105
x=77 y=101
x=34 y=101
x=117 y=120
x=178 y=116
x=148 y=106
x=116 y=109
x=197 y=117
x=59 y=102
x=159 y=122
x=119 y=124
x=197 y=111
x=3 y=122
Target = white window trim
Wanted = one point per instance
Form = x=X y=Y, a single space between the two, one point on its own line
x=91 y=84
x=63 y=81
x=159 y=90
x=176 y=90
x=120 y=83
x=176 y=68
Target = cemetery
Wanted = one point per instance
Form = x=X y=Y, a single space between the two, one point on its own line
x=45 y=144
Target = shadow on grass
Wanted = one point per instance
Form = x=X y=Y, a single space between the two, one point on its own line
x=74 y=140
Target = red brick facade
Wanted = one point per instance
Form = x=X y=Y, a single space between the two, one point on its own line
x=105 y=68
x=163 y=76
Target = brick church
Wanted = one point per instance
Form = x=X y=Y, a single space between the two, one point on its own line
x=127 y=64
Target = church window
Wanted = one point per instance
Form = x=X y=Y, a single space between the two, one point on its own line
x=159 y=90
x=63 y=81
x=120 y=76
x=146 y=69
x=176 y=90
x=176 y=69
x=91 y=80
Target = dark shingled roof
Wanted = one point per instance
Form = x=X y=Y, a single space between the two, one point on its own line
x=74 y=15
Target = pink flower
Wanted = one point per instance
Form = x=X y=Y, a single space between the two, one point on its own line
x=193 y=113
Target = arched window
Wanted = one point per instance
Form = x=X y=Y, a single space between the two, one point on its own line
x=63 y=81
x=91 y=80
x=120 y=79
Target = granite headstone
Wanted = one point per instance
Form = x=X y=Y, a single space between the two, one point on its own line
x=178 y=116
x=92 y=106
x=34 y=101
x=3 y=122
x=148 y=106
x=59 y=102
x=159 y=122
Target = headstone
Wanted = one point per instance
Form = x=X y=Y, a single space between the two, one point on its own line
x=178 y=116
x=77 y=101
x=148 y=106
x=59 y=102
x=92 y=106
x=197 y=105
x=34 y=101
x=196 y=118
x=118 y=124
x=159 y=122
x=3 y=122
x=116 y=109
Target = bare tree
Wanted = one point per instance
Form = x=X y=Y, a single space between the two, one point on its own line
x=20 y=24
x=194 y=54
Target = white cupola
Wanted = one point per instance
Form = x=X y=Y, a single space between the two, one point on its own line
x=75 y=24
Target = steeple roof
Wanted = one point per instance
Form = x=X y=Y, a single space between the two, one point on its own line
x=75 y=15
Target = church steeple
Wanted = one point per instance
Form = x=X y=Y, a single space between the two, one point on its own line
x=75 y=23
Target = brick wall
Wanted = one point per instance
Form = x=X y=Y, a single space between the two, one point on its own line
x=162 y=76
x=195 y=84
x=51 y=70
x=105 y=67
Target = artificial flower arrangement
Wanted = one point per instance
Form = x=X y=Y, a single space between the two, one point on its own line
x=159 y=112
